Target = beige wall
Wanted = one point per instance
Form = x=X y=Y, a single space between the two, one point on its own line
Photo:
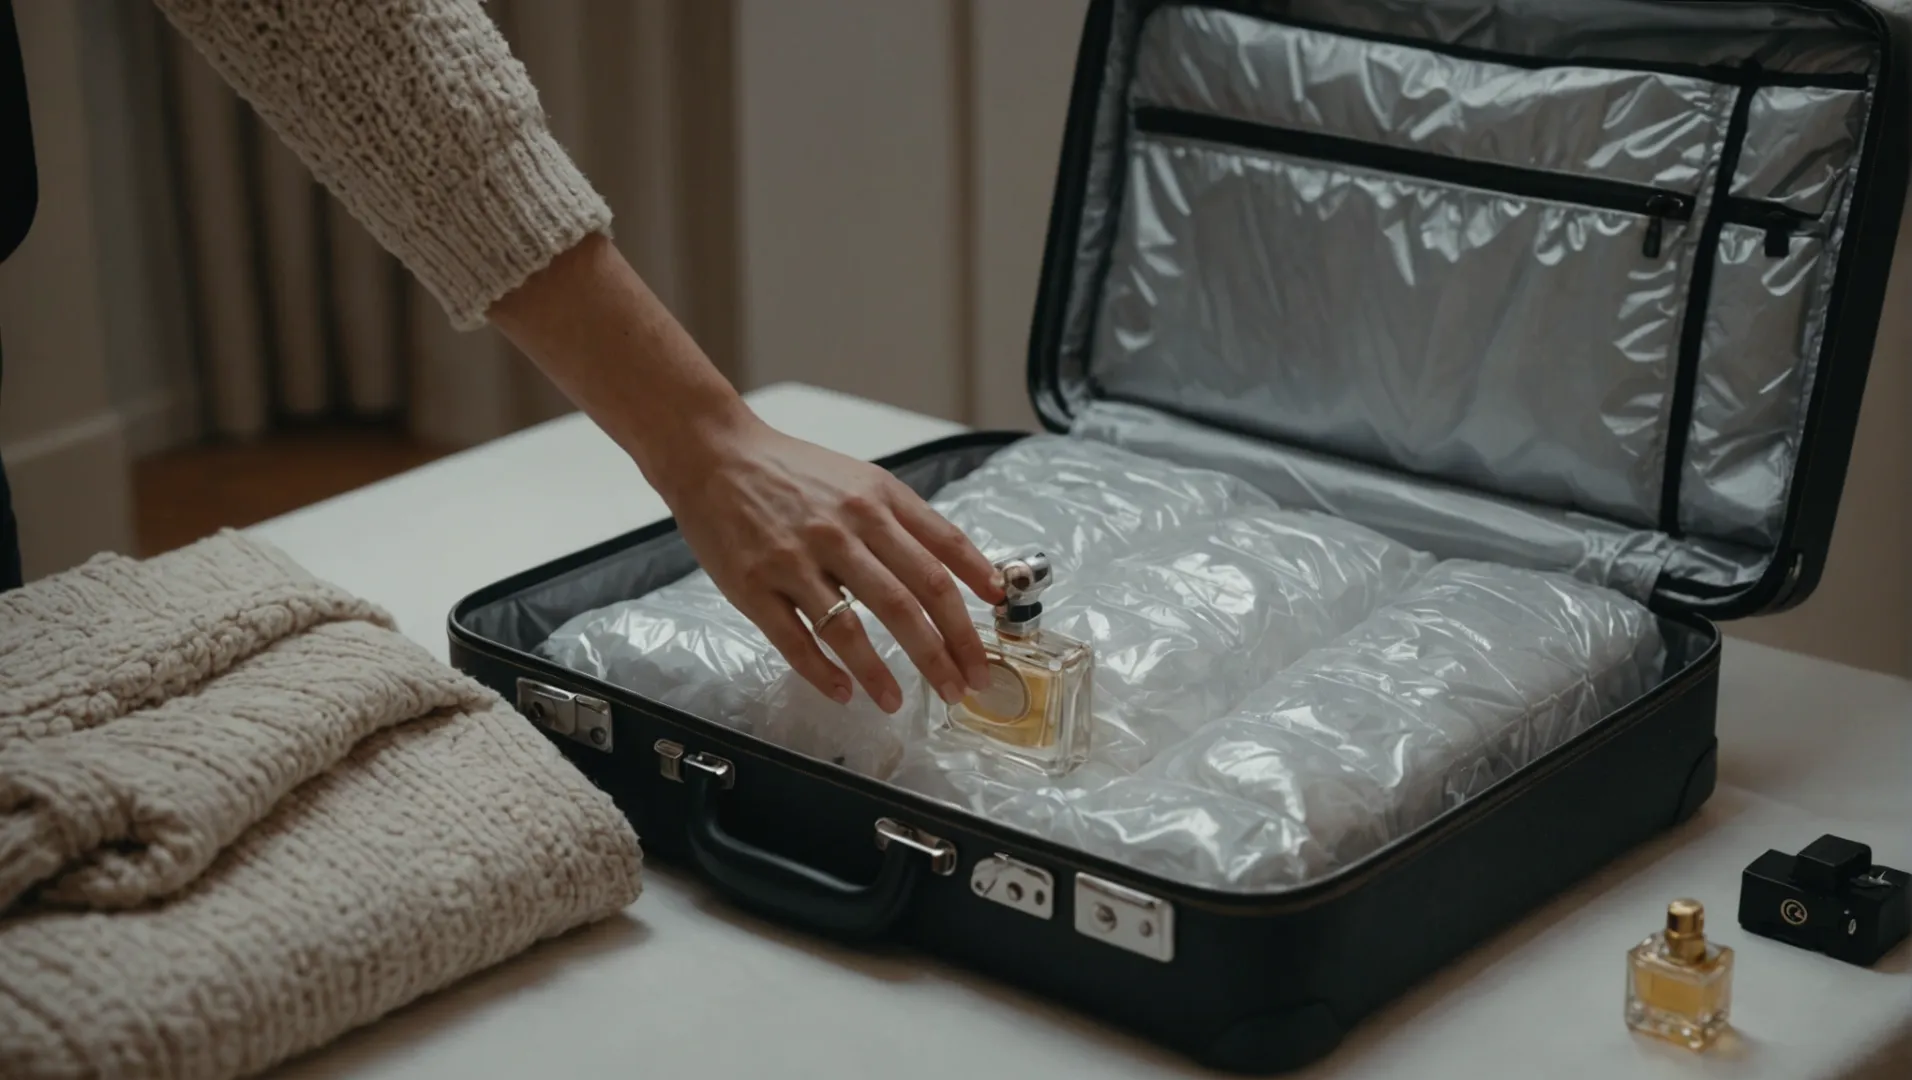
x=1023 y=61
x=1861 y=613
x=850 y=201
x=60 y=434
x=896 y=159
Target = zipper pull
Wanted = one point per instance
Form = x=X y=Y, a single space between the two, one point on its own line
x=1661 y=207
x=1779 y=230
x=1779 y=224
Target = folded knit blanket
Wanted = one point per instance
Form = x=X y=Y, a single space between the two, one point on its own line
x=240 y=815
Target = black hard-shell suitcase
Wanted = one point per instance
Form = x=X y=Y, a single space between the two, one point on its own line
x=1726 y=178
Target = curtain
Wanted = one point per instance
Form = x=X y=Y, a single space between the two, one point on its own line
x=298 y=316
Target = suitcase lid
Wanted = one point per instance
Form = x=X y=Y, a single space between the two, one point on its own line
x=1589 y=285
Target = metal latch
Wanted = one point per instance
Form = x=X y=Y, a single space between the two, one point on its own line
x=671 y=762
x=577 y=717
x=1015 y=884
x=942 y=853
x=1125 y=918
x=670 y=759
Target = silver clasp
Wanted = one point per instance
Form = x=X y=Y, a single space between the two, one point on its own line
x=1014 y=884
x=1124 y=918
x=578 y=717
x=942 y=853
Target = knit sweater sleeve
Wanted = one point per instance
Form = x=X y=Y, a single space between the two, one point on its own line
x=417 y=117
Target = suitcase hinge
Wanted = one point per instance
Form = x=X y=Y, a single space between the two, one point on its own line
x=1125 y=918
x=577 y=717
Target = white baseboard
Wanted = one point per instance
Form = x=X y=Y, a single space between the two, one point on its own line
x=71 y=494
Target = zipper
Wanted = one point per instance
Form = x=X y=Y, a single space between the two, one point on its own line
x=1717 y=72
x=1699 y=294
x=1780 y=222
x=1657 y=205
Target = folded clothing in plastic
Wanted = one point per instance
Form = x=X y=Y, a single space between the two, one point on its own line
x=684 y=645
x=1186 y=623
x=1276 y=692
x=1183 y=626
x=687 y=646
x=1191 y=586
x=1081 y=501
x=1469 y=675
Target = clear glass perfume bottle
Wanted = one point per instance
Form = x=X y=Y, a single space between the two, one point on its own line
x=1680 y=985
x=1037 y=708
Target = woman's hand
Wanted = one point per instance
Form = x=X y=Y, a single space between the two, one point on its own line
x=781 y=525
x=784 y=527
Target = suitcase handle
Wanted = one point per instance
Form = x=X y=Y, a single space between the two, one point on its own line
x=797 y=892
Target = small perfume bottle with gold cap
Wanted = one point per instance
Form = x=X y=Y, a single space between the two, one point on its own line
x=1680 y=985
x=1037 y=708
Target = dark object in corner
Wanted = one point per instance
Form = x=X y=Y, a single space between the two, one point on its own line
x=1829 y=898
x=19 y=179
x=19 y=198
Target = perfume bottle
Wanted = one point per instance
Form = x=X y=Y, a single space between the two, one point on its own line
x=1037 y=708
x=1680 y=985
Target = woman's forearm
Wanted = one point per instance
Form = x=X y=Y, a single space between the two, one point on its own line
x=415 y=114
x=598 y=332
x=783 y=527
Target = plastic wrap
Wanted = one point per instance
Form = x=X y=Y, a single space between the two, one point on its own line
x=1277 y=693
x=1076 y=500
x=1186 y=624
x=1468 y=676
x=859 y=736
x=683 y=645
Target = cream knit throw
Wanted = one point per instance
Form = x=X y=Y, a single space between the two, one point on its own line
x=241 y=815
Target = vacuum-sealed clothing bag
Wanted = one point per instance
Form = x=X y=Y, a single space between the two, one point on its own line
x=1422 y=384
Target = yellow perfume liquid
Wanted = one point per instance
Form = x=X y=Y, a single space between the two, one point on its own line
x=1680 y=985
x=1037 y=708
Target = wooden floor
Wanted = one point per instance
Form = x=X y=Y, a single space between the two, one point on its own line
x=186 y=494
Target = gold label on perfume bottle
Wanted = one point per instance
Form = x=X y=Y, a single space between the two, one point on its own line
x=1007 y=699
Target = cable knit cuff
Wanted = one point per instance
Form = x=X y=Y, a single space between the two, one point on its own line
x=526 y=206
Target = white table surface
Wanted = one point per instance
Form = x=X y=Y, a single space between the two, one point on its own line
x=681 y=985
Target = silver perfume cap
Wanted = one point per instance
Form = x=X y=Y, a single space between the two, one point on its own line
x=1024 y=579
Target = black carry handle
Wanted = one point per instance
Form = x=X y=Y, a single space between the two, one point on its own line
x=803 y=894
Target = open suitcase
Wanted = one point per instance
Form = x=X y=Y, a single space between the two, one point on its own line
x=1584 y=286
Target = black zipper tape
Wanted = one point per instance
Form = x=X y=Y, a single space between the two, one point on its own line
x=1780 y=222
x=1650 y=202
x=1725 y=74
x=1699 y=294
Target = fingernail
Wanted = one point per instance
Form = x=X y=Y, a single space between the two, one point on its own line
x=841 y=694
x=952 y=693
x=892 y=701
x=979 y=676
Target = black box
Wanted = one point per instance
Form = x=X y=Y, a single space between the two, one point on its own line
x=1587 y=285
x=1829 y=898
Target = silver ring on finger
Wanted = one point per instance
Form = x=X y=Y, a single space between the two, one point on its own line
x=836 y=609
